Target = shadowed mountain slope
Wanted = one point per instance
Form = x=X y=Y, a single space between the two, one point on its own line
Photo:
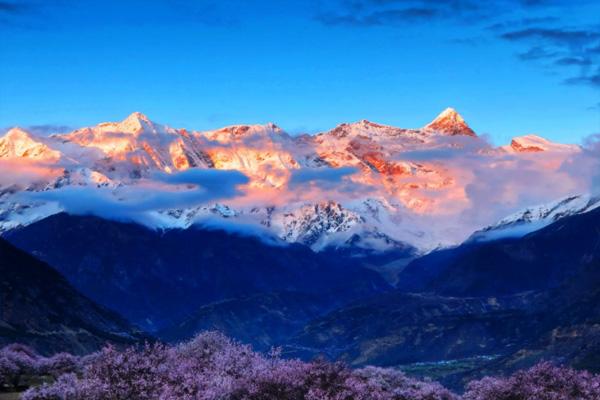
x=40 y=308
x=159 y=278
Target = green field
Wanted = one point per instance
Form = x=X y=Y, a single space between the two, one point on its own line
x=439 y=370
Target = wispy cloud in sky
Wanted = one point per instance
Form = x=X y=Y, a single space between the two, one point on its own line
x=10 y=7
x=555 y=39
x=395 y=12
x=564 y=48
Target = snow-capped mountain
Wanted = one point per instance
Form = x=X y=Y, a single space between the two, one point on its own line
x=141 y=145
x=311 y=223
x=321 y=225
x=449 y=122
x=536 y=144
x=360 y=184
x=537 y=217
x=262 y=152
x=19 y=144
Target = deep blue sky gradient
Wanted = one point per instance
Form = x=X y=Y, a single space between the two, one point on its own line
x=510 y=68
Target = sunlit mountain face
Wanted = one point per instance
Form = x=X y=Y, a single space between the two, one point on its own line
x=359 y=184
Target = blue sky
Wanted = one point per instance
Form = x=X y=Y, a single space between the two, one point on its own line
x=510 y=67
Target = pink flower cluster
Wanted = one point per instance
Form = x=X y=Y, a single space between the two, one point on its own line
x=213 y=367
x=18 y=361
x=541 y=382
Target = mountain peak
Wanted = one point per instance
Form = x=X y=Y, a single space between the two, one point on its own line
x=450 y=113
x=529 y=144
x=21 y=144
x=275 y=128
x=535 y=144
x=450 y=122
x=137 y=116
x=16 y=133
x=135 y=123
x=370 y=124
x=243 y=132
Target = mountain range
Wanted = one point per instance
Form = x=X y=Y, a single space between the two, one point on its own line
x=363 y=185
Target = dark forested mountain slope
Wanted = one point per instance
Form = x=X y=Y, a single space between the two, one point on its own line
x=263 y=319
x=519 y=300
x=537 y=261
x=40 y=308
x=159 y=278
x=396 y=328
x=570 y=329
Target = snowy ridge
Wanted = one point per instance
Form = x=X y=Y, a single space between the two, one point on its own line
x=317 y=225
x=537 y=217
x=310 y=224
x=536 y=144
x=136 y=146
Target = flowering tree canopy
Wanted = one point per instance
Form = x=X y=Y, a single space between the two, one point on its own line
x=213 y=367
